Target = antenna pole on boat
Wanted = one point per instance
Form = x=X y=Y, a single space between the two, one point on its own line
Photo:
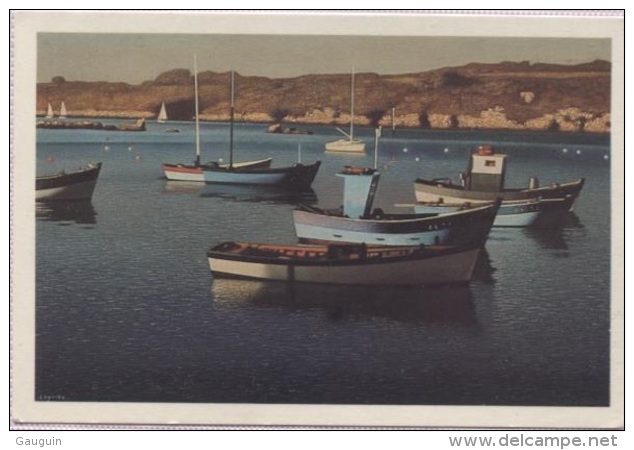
x=196 y=111
x=393 y=122
x=352 y=106
x=231 y=123
x=377 y=135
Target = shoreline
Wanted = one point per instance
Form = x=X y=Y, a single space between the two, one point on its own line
x=502 y=125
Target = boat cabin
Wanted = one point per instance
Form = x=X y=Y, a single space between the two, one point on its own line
x=486 y=171
x=360 y=185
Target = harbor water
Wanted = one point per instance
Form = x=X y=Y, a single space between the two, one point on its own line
x=127 y=309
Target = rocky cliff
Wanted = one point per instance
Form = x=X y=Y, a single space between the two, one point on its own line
x=509 y=95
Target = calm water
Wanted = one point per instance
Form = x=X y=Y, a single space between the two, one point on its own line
x=127 y=309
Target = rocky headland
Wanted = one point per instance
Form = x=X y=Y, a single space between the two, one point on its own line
x=504 y=96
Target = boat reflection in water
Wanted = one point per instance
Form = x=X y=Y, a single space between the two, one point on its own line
x=442 y=305
x=192 y=188
x=484 y=270
x=271 y=194
x=554 y=238
x=80 y=212
x=556 y=220
x=239 y=193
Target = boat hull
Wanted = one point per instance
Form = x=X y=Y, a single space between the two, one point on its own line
x=182 y=172
x=466 y=227
x=443 y=192
x=428 y=268
x=78 y=185
x=298 y=176
x=346 y=146
x=536 y=212
x=186 y=172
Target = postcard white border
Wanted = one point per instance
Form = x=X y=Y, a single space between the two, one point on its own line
x=25 y=410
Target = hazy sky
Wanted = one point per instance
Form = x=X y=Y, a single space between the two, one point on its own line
x=134 y=58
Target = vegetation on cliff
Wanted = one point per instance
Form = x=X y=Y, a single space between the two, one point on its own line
x=508 y=95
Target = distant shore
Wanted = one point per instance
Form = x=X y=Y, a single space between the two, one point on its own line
x=564 y=122
x=501 y=96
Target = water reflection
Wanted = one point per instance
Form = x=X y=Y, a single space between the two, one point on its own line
x=183 y=187
x=258 y=194
x=269 y=194
x=557 y=220
x=81 y=212
x=446 y=305
x=484 y=270
x=553 y=238
x=549 y=239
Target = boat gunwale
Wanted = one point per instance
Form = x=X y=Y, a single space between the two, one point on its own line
x=90 y=167
x=262 y=171
x=479 y=211
x=458 y=188
x=416 y=253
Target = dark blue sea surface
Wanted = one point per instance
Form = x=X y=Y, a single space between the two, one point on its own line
x=127 y=310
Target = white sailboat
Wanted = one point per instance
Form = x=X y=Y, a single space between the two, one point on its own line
x=349 y=144
x=49 y=112
x=62 y=111
x=162 y=117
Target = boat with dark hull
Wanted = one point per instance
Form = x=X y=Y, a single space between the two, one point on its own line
x=523 y=213
x=484 y=182
x=258 y=173
x=194 y=172
x=297 y=176
x=353 y=264
x=357 y=222
x=462 y=227
x=78 y=185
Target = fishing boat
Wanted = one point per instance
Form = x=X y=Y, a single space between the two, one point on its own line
x=349 y=144
x=162 y=116
x=78 y=185
x=484 y=182
x=522 y=213
x=62 y=111
x=353 y=264
x=297 y=176
x=357 y=222
x=194 y=172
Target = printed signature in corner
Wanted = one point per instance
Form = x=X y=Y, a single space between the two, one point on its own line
x=48 y=398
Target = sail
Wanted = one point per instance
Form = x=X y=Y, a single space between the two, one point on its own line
x=49 y=111
x=62 y=111
x=162 y=117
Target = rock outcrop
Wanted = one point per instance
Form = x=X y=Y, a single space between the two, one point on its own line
x=507 y=96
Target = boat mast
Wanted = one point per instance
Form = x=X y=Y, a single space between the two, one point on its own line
x=377 y=136
x=196 y=108
x=231 y=123
x=352 y=106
